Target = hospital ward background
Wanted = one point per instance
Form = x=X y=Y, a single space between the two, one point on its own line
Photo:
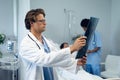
x=65 y=22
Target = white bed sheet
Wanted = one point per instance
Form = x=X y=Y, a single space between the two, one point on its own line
x=81 y=75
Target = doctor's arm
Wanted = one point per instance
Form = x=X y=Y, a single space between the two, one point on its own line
x=61 y=58
x=93 y=50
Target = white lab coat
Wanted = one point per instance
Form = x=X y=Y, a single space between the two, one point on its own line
x=34 y=58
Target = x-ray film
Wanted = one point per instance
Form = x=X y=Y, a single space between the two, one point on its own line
x=89 y=33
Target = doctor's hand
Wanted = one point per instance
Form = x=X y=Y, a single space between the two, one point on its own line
x=89 y=51
x=82 y=61
x=78 y=44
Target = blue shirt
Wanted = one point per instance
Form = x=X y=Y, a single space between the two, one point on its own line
x=94 y=58
x=48 y=71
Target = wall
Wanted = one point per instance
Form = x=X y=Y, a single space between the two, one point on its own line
x=6 y=17
x=57 y=21
x=6 y=21
x=115 y=27
x=23 y=7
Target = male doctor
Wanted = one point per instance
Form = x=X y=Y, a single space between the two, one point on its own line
x=38 y=54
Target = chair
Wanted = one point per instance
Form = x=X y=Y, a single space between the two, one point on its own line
x=112 y=67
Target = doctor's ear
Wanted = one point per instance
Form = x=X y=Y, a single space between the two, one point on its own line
x=32 y=21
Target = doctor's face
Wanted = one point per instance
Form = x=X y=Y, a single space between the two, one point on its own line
x=40 y=24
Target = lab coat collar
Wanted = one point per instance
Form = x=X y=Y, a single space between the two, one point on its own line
x=35 y=39
x=32 y=36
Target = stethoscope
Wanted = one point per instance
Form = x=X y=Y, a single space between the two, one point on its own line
x=94 y=42
x=34 y=41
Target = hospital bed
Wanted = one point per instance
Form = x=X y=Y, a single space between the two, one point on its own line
x=81 y=75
